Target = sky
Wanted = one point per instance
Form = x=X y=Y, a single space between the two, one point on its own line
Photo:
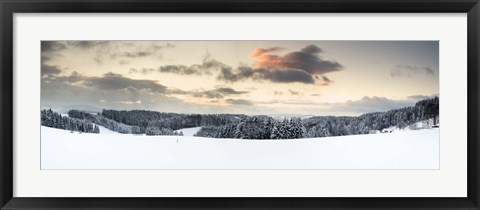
x=239 y=77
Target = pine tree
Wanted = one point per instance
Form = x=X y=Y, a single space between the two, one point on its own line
x=267 y=128
x=277 y=130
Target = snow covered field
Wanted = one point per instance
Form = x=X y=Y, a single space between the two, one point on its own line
x=416 y=149
x=189 y=131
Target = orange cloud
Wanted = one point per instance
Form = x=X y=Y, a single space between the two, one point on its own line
x=306 y=59
x=259 y=51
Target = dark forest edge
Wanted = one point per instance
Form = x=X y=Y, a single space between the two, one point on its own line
x=52 y=119
x=241 y=126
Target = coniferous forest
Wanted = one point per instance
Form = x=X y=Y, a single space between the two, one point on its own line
x=55 y=120
x=241 y=126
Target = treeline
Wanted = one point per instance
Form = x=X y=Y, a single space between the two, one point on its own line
x=364 y=124
x=242 y=126
x=121 y=127
x=263 y=127
x=52 y=119
x=257 y=127
x=152 y=120
x=107 y=123
x=154 y=131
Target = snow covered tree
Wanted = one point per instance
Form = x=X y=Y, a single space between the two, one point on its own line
x=279 y=130
x=155 y=131
x=96 y=129
x=268 y=125
x=296 y=129
x=209 y=131
x=250 y=128
x=52 y=119
x=227 y=131
x=136 y=130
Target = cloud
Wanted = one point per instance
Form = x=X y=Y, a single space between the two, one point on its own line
x=133 y=88
x=311 y=49
x=242 y=102
x=71 y=79
x=293 y=93
x=111 y=74
x=177 y=69
x=409 y=71
x=230 y=91
x=123 y=62
x=50 y=49
x=285 y=76
x=259 y=51
x=51 y=46
x=135 y=54
x=326 y=79
x=142 y=70
x=112 y=81
x=226 y=74
x=205 y=68
x=198 y=69
x=111 y=91
x=371 y=104
x=48 y=70
x=107 y=82
x=207 y=94
x=303 y=66
x=217 y=93
x=367 y=104
x=122 y=50
x=88 y=44
x=277 y=76
x=420 y=97
x=307 y=59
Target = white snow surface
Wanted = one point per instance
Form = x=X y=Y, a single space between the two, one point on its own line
x=421 y=125
x=425 y=124
x=416 y=149
x=189 y=131
x=104 y=130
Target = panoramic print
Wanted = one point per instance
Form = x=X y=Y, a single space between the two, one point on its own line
x=298 y=104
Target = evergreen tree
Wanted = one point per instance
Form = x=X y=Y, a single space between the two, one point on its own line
x=96 y=129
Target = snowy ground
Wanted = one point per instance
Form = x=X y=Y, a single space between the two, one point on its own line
x=189 y=131
x=425 y=124
x=61 y=149
x=104 y=130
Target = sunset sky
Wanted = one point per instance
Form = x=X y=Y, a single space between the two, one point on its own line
x=246 y=77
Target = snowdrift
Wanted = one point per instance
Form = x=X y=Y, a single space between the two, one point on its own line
x=415 y=149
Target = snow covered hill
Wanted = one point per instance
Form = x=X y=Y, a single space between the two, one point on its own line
x=61 y=149
x=424 y=124
x=189 y=131
x=104 y=130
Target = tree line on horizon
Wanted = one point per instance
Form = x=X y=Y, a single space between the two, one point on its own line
x=52 y=119
x=259 y=126
x=339 y=126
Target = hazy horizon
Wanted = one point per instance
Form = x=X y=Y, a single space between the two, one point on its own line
x=63 y=109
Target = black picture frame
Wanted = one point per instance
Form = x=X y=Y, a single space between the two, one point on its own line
x=10 y=7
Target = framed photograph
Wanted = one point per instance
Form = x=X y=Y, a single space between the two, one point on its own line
x=239 y=105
